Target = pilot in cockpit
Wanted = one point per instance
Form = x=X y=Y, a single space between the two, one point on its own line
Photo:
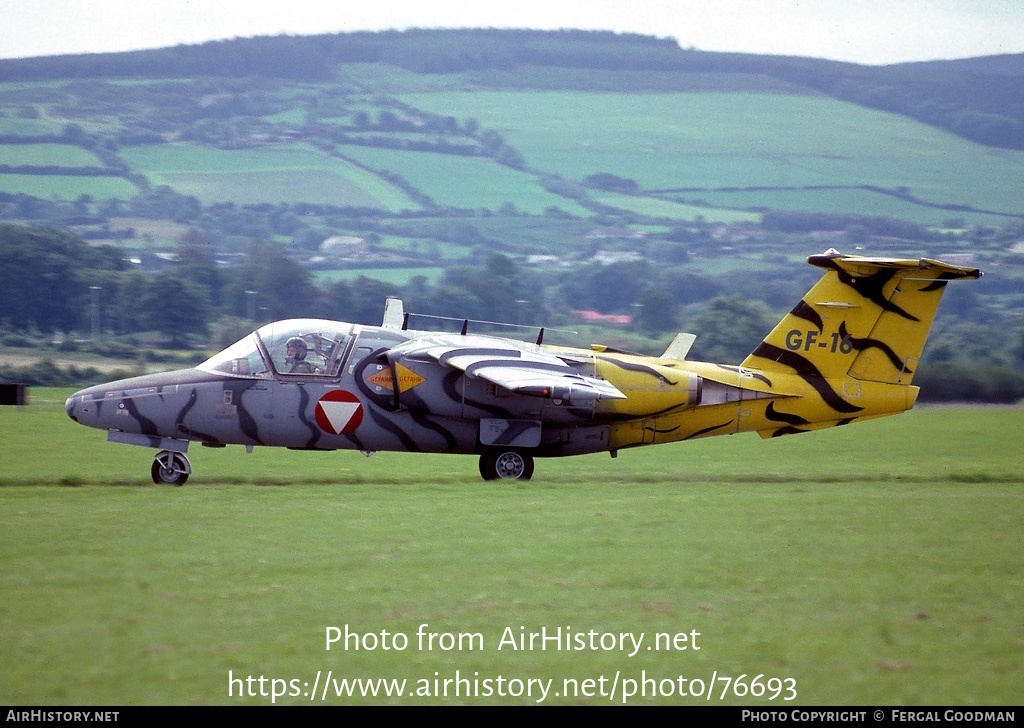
x=297 y=351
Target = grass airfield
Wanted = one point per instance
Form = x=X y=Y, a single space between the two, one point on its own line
x=875 y=564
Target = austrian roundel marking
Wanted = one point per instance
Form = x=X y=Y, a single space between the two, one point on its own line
x=339 y=412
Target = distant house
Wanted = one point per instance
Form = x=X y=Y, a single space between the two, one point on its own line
x=737 y=233
x=414 y=119
x=548 y=261
x=616 y=233
x=343 y=246
x=604 y=318
x=608 y=257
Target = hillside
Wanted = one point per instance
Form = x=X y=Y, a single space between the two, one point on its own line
x=370 y=121
x=979 y=99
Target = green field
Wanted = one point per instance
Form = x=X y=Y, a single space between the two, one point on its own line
x=27 y=126
x=398 y=276
x=437 y=251
x=844 y=201
x=64 y=155
x=878 y=564
x=680 y=140
x=297 y=117
x=468 y=182
x=672 y=210
x=281 y=173
x=67 y=187
x=726 y=152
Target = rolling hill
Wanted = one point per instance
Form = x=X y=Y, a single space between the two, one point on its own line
x=401 y=121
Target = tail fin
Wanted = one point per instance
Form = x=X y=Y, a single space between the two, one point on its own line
x=866 y=317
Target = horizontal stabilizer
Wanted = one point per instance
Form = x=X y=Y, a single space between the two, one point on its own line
x=862 y=266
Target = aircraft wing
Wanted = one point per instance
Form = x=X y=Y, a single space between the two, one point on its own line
x=517 y=367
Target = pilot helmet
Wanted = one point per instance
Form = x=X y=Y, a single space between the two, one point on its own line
x=300 y=347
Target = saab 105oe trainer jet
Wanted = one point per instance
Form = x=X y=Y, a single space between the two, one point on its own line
x=846 y=352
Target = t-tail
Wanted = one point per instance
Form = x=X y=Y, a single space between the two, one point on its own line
x=856 y=337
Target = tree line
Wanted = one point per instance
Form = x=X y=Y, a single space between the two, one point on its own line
x=60 y=288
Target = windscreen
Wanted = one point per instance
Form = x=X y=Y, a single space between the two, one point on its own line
x=242 y=359
x=307 y=347
x=300 y=347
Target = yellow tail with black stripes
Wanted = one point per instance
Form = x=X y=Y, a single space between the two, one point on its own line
x=866 y=318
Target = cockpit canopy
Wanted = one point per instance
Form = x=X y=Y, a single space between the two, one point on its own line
x=297 y=347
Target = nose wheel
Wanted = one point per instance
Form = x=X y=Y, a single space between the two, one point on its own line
x=170 y=468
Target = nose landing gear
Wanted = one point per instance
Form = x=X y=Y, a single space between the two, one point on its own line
x=170 y=468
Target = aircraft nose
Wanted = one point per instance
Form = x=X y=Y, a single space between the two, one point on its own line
x=69 y=406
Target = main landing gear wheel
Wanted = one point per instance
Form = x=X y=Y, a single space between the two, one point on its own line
x=170 y=468
x=506 y=465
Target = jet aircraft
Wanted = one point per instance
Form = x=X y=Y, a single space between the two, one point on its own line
x=846 y=352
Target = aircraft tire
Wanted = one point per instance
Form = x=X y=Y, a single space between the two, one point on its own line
x=506 y=465
x=170 y=469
